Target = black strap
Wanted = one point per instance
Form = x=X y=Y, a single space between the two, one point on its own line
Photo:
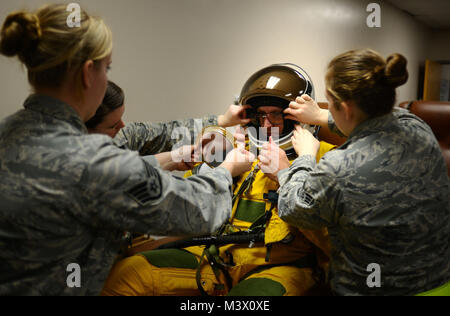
x=198 y=274
x=246 y=185
x=217 y=265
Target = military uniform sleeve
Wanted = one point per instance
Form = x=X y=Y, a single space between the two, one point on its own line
x=307 y=194
x=152 y=161
x=121 y=190
x=154 y=138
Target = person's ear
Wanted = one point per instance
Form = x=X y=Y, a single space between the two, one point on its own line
x=87 y=74
x=348 y=110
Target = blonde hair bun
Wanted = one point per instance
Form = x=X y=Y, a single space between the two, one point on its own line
x=395 y=72
x=20 y=33
x=49 y=48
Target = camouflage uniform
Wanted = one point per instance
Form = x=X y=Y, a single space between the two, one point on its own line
x=153 y=138
x=384 y=196
x=67 y=197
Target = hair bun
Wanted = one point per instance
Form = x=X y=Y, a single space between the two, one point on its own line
x=396 y=73
x=20 y=33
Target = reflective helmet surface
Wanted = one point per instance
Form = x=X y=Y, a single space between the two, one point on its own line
x=284 y=81
x=277 y=85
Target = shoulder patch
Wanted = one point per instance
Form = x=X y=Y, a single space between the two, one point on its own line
x=147 y=191
x=307 y=199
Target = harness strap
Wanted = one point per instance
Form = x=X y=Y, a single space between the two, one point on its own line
x=246 y=185
x=198 y=274
x=217 y=265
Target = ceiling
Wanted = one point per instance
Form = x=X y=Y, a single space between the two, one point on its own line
x=433 y=13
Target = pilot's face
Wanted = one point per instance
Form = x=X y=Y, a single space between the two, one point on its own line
x=271 y=117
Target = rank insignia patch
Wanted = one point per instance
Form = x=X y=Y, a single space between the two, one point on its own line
x=146 y=191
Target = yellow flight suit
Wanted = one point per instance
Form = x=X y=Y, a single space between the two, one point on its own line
x=285 y=264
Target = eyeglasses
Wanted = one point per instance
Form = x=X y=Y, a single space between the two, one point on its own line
x=274 y=117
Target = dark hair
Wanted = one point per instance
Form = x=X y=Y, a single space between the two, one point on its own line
x=364 y=77
x=114 y=98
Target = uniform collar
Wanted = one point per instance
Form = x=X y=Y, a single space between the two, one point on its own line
x=55 y=108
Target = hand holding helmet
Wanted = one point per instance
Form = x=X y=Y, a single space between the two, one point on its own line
x=304 y=109
x=235 y=115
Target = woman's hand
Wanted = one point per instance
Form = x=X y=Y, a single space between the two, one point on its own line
x=238 y=160
x=304 y=142
x=306 y=110
x=272 y=159
x=180 y=159
x=235 y=115
x=183 y=158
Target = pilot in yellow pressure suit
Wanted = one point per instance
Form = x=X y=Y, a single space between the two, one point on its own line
x=255 y=253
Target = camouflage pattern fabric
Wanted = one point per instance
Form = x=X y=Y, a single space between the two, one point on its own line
x=153 y=138
x=67 y=197
x=384 y=196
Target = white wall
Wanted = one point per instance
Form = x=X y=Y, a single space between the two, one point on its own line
x=187 y=58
